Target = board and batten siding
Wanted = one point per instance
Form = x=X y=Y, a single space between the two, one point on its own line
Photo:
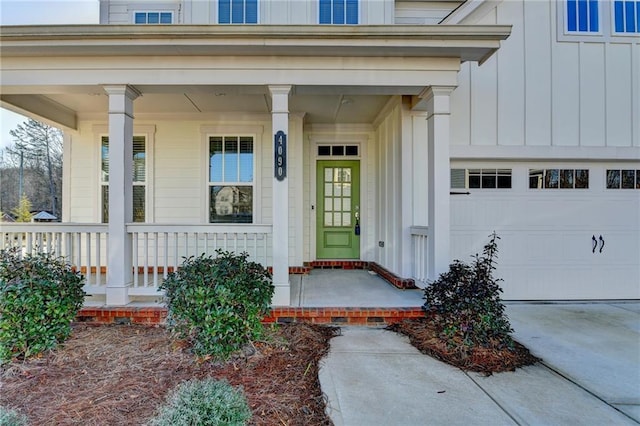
x=538 y=91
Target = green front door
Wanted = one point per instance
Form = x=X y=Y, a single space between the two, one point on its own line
x=338 y=213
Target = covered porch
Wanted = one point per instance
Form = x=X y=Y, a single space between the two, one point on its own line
x=382 y=89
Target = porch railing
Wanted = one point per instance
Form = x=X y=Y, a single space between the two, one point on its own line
x=160 y=249
x=420 y=253
x=84 y=246
x=157 y=249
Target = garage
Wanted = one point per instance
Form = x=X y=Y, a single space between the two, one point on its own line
x=568 y=231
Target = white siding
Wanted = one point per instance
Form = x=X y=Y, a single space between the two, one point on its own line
x=537 y=91
x=121 y=11
x=423 y=12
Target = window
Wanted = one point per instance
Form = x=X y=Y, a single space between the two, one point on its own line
x=153 y=17
x=626 y=16
x=231 y=179
x=582 y=16
x=623 y=179
x=338 y=150
x=139 y=178
x=237 y=11
x=558 y=178
x=480 y=178
x=338 y=12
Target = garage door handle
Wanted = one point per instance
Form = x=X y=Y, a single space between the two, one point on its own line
x=601 y=243
x=594 y=244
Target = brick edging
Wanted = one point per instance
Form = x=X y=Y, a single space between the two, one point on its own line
x=334 y=315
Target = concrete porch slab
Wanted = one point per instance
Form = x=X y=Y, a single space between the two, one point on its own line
x=357 y=288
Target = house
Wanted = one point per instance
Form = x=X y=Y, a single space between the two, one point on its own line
x=396 y=133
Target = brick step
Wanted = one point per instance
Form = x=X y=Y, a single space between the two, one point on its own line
x=338 y=316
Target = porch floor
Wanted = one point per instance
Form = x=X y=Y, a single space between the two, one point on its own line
x=352 y=288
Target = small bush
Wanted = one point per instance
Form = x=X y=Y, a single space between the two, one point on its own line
x=466 y=302
x=204 y=402
x=39 y=297
x=10 y=417
x=218 y=303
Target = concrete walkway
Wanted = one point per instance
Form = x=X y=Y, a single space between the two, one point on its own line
x=590 y=374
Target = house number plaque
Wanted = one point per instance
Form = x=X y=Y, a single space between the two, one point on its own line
x=280 y=159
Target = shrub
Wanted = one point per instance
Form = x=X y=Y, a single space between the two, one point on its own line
x=466 y=301
x=204 y=402
x=39 y=297
x=218 y=303
x=10 y=417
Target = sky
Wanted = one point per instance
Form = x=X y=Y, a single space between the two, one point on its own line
x=41 y=12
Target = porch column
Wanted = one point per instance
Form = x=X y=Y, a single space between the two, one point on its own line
x=119 y=253
x=438 y=176
x=280 y=251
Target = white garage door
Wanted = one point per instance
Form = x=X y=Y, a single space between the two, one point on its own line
x=556 y=244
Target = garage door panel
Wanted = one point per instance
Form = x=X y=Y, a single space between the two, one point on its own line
x=546 y=246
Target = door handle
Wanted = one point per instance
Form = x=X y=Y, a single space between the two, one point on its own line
x=594 y=244
x=601 y=243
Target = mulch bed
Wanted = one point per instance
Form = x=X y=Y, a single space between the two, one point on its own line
x=424 y=336
x=119 y=375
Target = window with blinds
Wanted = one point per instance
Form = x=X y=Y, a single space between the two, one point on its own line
x=139 y=178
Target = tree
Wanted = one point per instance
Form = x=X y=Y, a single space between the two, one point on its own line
x=23 y=211
x=33 y=165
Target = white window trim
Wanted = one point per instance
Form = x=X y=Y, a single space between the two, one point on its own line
x=239 y=130
x=606 y=19
x=148 y=131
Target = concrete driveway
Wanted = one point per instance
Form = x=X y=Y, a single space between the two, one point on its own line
x=593 y=345
x=590 y=374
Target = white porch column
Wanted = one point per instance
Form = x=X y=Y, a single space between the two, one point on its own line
x=280 y=123
x=438 y=177
x=119 y=253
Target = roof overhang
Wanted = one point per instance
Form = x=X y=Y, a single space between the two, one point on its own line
x=466 y=42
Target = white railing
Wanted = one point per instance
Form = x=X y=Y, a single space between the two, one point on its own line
x=157 y=249
x=160 y=249
x=420 y=253
x=84 y=246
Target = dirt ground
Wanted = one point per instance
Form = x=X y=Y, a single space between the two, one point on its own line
x=119 y=375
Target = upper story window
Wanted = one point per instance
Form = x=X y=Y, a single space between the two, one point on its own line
x=153 y=17
x=480 y=178
x=339 y=12
x=139 y=178
x=237 y=11
x=598 y=20
x=231 y=179
x=583 y=16
x=626 y=16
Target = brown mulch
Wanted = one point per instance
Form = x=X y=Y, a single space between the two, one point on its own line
x=119 y=375
x=424 y=336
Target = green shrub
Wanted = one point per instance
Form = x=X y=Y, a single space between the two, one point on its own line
x=204 y=402
x=218 y=303
x=10 y=417
x=39 y=297
x=466 y=302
